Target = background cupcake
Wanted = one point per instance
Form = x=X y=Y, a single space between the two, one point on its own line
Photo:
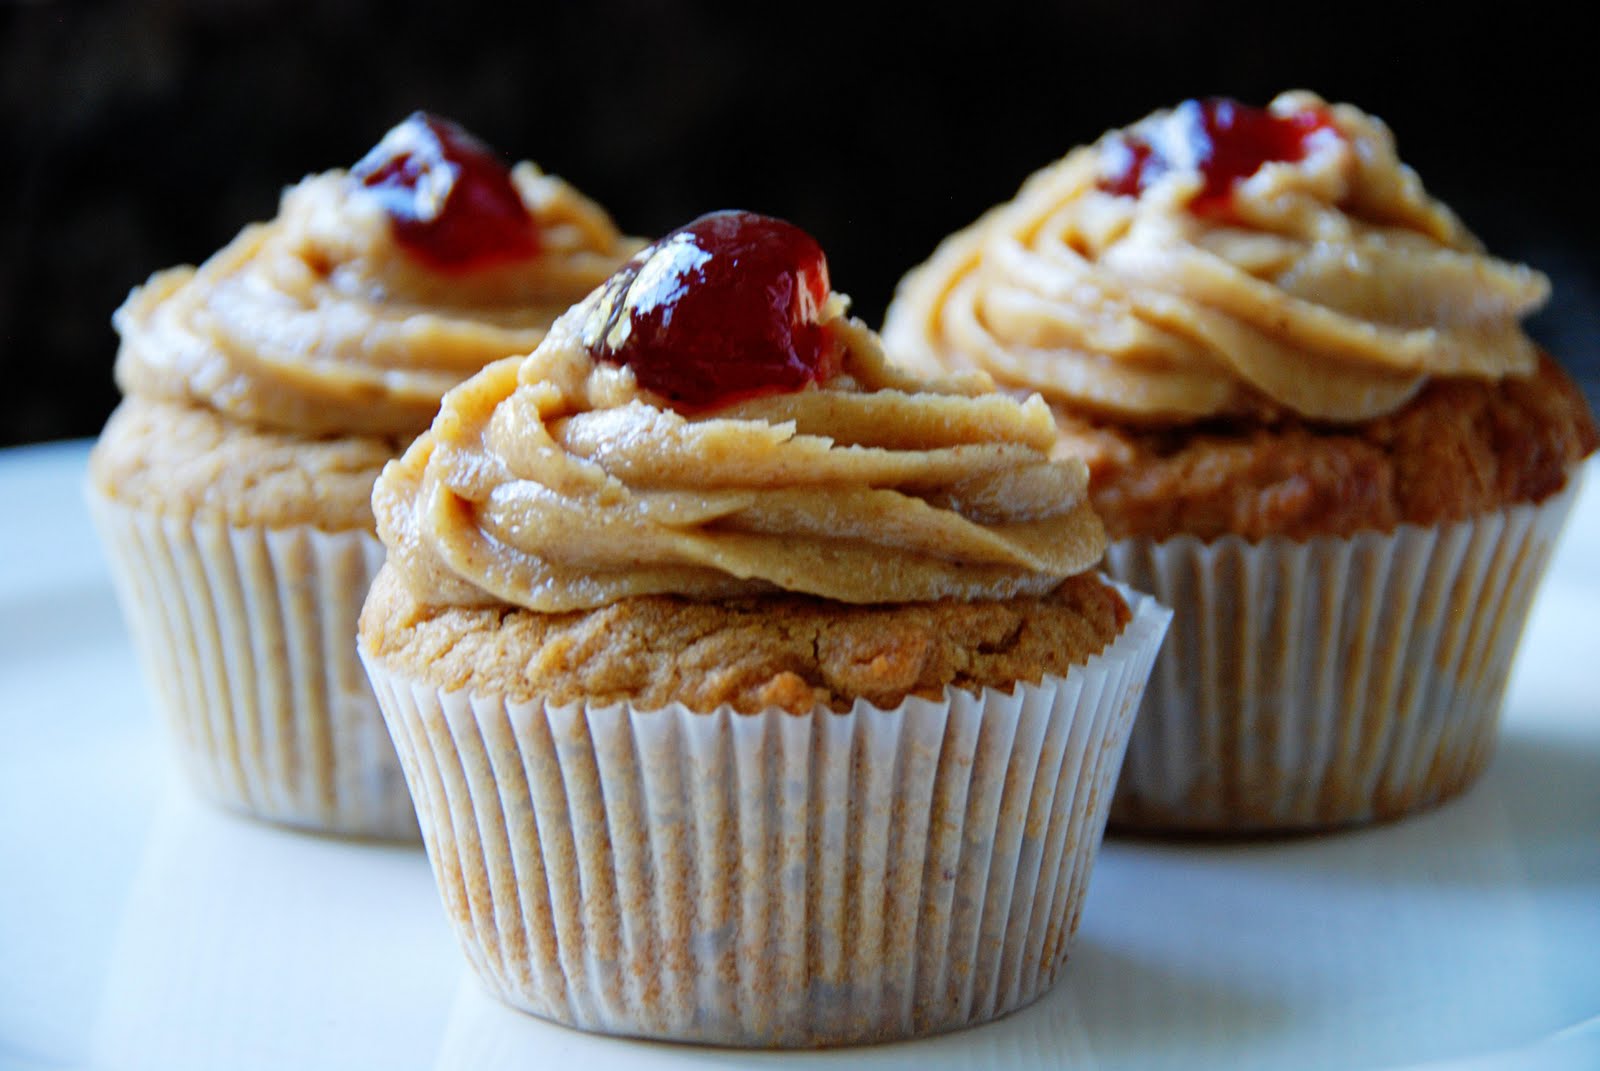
x=264 y=392
x=750 y=691
x=1314 y=426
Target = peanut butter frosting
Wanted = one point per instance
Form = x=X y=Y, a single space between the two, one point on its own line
x=1334 y=287
x=556 y=483
x=319 y=322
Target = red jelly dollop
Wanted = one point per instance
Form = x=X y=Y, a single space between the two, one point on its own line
x=1225 y=140
x=723 y=309
x=450 y=199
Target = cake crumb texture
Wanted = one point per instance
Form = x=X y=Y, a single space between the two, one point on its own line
x=1460 y=448
x=185 y=461
x=786 y=652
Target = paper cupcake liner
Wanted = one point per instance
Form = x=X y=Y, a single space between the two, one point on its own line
x=1329 y=682
x=248 y=639
x=771 y=879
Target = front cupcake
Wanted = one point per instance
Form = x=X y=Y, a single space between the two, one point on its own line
x=1314 y=427
x=750 y=691
x=265 y=390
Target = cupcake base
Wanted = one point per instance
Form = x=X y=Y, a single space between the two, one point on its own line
x=771 y=879
x=247 y=637
x=1330 y=682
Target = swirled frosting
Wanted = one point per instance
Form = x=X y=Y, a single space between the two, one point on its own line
x=319 y=322
x=556 y=483
x=1332 y=286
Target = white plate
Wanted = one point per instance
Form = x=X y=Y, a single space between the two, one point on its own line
x=141 y=929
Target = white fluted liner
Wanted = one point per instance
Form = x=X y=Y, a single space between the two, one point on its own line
x=1327 y=682
x=771 y=879
x=247 y=637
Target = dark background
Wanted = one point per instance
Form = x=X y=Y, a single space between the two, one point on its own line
x=134 y=136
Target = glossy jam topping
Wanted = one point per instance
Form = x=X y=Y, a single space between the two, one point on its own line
x=723 y=309
x=449 y=197
x=1224 y=140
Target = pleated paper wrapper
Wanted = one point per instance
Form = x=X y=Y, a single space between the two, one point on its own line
x=771 y=879
x=1328 y=682
x=247 y=637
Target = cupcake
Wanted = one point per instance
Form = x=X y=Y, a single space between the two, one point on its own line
x=1314 y=427
x=750 y=691
x=264 y=391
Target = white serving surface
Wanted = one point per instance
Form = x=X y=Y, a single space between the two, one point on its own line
x=139 y=928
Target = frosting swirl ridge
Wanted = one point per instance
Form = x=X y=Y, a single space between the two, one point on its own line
x=556 y=483
x=1328 y=284
x=319 y=322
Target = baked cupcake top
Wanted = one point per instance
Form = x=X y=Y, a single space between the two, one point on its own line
x=373 y=292
x=1218 y=260
x=710 y=423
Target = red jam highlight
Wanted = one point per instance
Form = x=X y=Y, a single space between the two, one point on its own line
x=1224 y=140
x=723 y=309
x=450 y=199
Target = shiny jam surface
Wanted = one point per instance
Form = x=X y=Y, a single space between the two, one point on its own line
x=449 y=197
x=1224 y=140
x=723 y=309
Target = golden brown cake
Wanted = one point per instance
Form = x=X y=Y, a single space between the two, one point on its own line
x=792 y=653
x=184 y=461
x=1314 y=426
x=1460 y=448
x=750 y=691
x=265 y=390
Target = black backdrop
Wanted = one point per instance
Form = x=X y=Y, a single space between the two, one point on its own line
x=141 y=134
